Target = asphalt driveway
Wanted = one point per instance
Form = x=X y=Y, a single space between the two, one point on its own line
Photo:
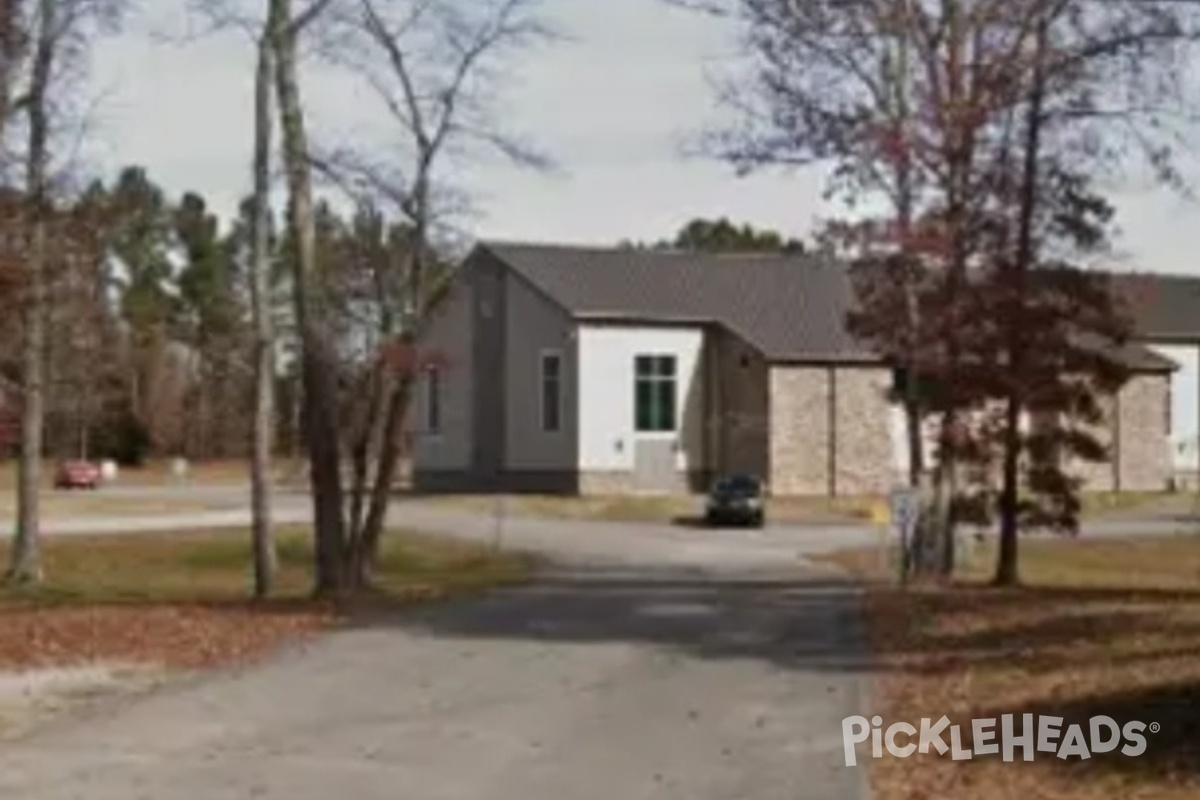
x=654 y=661
x=643 y=666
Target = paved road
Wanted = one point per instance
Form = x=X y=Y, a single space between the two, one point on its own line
x=652 y=662
x=228 y=507
x=568 y=540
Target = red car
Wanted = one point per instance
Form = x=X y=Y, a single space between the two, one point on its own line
x=77 y=475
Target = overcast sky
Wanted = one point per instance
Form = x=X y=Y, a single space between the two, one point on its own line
x=612 y=105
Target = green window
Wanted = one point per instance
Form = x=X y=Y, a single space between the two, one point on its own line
x=654 y=394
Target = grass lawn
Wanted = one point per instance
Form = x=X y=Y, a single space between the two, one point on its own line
x=179 y=600
x=655 y=508
x=799 y=510
x=75 y=503
x=1099 y=628
x=1101 y=503
x=157 y=472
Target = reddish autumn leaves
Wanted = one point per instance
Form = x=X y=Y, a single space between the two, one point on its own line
x=406 y=358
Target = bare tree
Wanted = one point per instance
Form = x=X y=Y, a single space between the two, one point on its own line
x=264 y=341
x=434 y=65
x=25 y=565
x=59 y=31
x=317 y=360
x=223 y=15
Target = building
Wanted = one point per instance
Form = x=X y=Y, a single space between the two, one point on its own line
x=567 y=369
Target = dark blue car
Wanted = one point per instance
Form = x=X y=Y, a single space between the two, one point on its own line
x=736 y=500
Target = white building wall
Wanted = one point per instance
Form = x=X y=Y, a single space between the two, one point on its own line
x=606 y=393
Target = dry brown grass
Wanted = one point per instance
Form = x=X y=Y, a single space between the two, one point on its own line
x=1099 y=628
x=1104 y=503
x=656 y=508
x=179 y=600
x=65 y=504
x=157 y=472
x=786 y=509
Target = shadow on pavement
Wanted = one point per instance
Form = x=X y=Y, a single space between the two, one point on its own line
x=812 y=624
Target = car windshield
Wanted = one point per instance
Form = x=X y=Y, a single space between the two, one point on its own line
x=737 y=485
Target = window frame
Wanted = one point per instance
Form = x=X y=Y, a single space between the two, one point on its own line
x=544 y=378
x=660 y=379
x=1169 y=408
x=433 y=400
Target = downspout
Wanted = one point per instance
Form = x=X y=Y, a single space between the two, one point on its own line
x=831 y=439
x=1117 y=441
x=713 y=408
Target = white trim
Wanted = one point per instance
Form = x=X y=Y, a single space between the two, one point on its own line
x=557 y=354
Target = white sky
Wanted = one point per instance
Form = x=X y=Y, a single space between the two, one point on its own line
x=612 y=105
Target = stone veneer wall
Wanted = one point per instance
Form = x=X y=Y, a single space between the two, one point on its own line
x=602 y=483
x=1143 y=455
x=799 y=430
x=1140 y=459
x=863 y=441
x=1098 y=476
x=816 y=409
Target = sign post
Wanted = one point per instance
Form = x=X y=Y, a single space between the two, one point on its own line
x=498 y=528
x=905 y=510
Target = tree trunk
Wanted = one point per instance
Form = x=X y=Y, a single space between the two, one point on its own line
x=360 y=456
x=1006 y=559
x=317 y=364
x=264 y=344
x=25 y=564
x=904 y=208
x=367 y=555
x=947 y=520
x=1006 y=562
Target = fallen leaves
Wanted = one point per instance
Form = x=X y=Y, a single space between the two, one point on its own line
x=179 y=600
x=1102 y=629
x=172 y=636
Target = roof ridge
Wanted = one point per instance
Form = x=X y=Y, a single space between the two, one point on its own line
x=672 y=252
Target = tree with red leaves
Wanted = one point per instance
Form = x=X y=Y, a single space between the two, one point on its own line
x=980 y=126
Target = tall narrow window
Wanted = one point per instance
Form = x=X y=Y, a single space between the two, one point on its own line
x=654 y=394
x=551 y=404
x=433 y=400
x=1167 y=401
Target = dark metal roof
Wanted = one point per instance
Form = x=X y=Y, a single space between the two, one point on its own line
x=789 y=307
x=1164 y=308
